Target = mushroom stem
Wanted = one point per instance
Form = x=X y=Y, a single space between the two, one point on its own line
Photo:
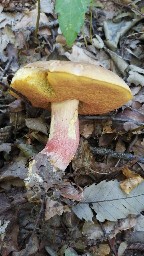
x=64 y=133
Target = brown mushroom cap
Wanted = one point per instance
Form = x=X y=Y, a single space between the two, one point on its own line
x=98 y=90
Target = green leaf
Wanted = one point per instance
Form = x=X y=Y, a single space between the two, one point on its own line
x=71 y=15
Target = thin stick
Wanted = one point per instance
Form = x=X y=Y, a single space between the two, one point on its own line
x=125 y=156
x=38 y=19
x=91 y=16
x=111 y=118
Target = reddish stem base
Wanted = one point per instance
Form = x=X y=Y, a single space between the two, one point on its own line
x=64 y=134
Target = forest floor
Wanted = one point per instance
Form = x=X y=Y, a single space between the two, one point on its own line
x=67 y=220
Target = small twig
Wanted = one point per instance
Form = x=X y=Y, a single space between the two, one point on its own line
x=85 y=41
x=125 y=156
x=111 y=118
x=91 y=16
x=38 y=19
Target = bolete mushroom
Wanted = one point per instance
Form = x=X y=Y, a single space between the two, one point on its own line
x=71 y=88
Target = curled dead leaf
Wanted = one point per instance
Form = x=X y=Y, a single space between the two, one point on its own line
x=69 y=191
x=132 y=181
x=78 y=54
x=101 y=250
x=53 y=208
x=86 y=128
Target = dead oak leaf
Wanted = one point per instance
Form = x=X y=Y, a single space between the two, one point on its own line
x=29 y=20
x=86 y=128
x=132 y=181
x=47 y=6
x=81 y=55
x=54 y=208
x=70 y=192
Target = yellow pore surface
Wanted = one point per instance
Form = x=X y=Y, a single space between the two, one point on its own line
x=98 y=90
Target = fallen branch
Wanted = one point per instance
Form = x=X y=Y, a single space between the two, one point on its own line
x=111 y=118
x=114 y=154
x=38 y=18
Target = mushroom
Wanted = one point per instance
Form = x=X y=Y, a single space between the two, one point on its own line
x=71 y=88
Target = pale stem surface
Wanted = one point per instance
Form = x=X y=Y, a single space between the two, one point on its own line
x=64 y=133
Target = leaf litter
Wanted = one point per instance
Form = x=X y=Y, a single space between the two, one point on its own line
x=112 y=39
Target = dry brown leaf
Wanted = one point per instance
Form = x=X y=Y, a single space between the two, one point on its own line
x=101 y=250
x=104 y=59
x=108 y=128
x=120 y=146
x=60 y=39
x=140 y=96
x=138 y=147
x=128 y=185
x=17 y=120
x=132 y=114
x=129 y=3
x=80 y=55
x=128 y=173
x=16 y=106
x=109 y=10
x=7 y=18
x=37 y=124
x=53 y=208
x=4 y=203
x=132 y=181
x=93 y=231
x=47 y=6
x=135 y=78
x=83 y=157
x=5 y=133
x=44 y=32
x=86 y=128
x=29 y=20
x=10 y=243
x=135 y=90
x=20 y=39
x=6 y=37
x=106 y=139
x=69 y=191
x=31 y=247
